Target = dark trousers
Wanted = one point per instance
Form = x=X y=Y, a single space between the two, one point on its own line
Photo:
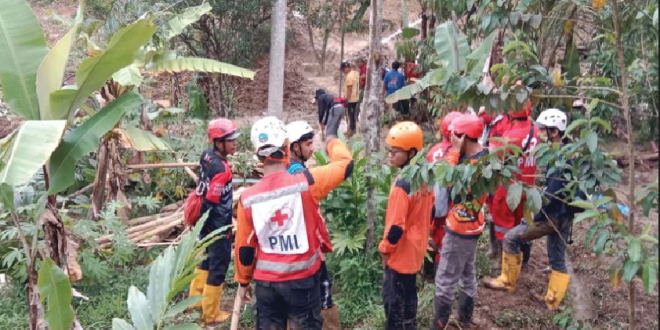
x=402 y=107
x=298 y=302
x=217 y=261
x=352 y=116
x=400 y=300
x=557 y=232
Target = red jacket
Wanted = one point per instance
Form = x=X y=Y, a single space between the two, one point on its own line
x=505 y=219
x=438 y=151
x=498 y=125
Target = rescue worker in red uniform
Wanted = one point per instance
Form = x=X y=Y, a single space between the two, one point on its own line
x=280 y=233
x=439 y=213
x=406 y=232
x=301 y=142
x=465 y=223
x=495 y=127
x=215 y=185
x=524 y=134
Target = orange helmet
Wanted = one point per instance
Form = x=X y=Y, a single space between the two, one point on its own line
x=405 y=135
x=525 y=112
x=444 y=122
x=470 y=125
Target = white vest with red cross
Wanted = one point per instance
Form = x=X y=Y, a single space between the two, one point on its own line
x=288 y=225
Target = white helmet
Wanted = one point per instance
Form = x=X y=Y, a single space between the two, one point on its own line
x=268 y=135
x=297 y=130
x=552 y=118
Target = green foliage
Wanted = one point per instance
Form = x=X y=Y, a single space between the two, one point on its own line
x=28 y=149
x=564 y=319
x=170 y=273
x=84 y=139
x=54 y=287
x=357 y=273
x=22 y=47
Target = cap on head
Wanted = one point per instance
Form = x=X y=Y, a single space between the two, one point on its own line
x=405 y=135
x=223 y=129
x=552 y=118
x=446 y=121
x=470 y=125
x=268 y=135
x=297 y=129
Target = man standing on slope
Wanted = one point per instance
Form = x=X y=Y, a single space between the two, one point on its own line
x=216 y=187
x=352 y=95
x=524 y=134
x=464 y=225
x=280 y=233
x=325 y=102
x=393 y=81
x=554 y=221
x=439 y=214
x=406 y=233
x=301 y=139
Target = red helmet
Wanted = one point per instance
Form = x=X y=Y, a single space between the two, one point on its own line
x=222 y=128
x=470 y=125
x=444 y=122
x=525 y=112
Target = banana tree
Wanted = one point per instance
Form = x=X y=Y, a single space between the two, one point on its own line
x=32 y=76
x=153 y=57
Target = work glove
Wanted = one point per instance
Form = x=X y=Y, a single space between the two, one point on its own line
x=335 y=115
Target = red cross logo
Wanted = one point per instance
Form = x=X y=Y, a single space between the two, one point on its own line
x=279 y=217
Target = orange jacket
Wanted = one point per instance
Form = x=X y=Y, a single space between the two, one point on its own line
x=312 y=186
x=407 y=226
x=465 y=219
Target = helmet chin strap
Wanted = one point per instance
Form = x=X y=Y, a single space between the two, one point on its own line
x=302 y=158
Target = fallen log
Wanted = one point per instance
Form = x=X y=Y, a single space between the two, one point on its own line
x=148 y=218
x=639 y=159
x=160 y=166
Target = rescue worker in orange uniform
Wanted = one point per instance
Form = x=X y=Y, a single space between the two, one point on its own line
x=216 y=187
x=524 y=134
x=280 y=233
x=406 y=231
x=301 y=144
x=465 y=223
x=439 y=213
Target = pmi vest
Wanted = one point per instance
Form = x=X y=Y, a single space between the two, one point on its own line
x=288 y=227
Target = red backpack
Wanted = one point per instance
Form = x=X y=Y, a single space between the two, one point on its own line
x=192 y=207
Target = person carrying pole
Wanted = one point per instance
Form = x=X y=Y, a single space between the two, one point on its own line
x=406 y=234
x=280 y=233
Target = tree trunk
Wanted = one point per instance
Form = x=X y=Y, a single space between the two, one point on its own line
x=98 y=190
x=371 y=105
x=424 y=26
x=277 y=53
x=341 y=59
x=631 y=151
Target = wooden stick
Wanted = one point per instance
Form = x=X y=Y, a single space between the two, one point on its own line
x=189 y=172
x=148 y=218
x=84 y=190
x=137 y=230
x=236 y=312
x=160 y=165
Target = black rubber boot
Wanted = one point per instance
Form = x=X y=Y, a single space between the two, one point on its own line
x=465 y=310
x=442 y=313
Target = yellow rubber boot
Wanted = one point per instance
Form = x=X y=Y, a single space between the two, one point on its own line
x=331 y=318
x=556 y=289
x=197 y=286
x=211 y=312
x=511 y=265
